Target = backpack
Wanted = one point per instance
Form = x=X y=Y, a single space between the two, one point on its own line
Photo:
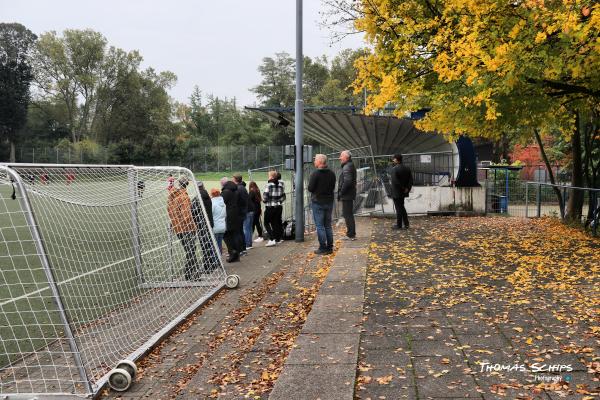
x=289 y=230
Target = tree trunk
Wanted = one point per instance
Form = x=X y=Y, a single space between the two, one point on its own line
x=550 y=173
x=12 y=157
x=575 y=203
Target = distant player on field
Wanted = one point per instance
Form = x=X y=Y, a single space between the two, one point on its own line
x=70 y=177
x=170 y=182
x=140 y=188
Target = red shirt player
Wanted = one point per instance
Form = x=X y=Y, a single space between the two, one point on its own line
x=45 y=179
x=170 y=182
x=70 y=178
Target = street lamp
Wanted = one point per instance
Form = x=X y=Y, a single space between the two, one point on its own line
x=299 y=134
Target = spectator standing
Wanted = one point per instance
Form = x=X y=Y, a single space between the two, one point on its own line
x=273 y=197
x=179 y=208
x=402 y=182
x=219 y=214
x=243 y=209
x=256 y=200
x=206 y=202
x=321 y=185
x=204 y=227
x=232 y=222
x=347 y=193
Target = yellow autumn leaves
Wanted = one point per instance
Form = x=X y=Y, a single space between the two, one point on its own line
x=481 y=65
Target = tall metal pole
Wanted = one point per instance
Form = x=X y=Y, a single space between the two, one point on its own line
x=299 y=122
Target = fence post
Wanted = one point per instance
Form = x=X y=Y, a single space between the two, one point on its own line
x=526 y=199
x=230 y=158
x=539 y=200
x=564 y=203
x=33 y=154
x=57 y=155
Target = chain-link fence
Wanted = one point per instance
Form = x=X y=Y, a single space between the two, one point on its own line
x=197 y=159
x=368 y=185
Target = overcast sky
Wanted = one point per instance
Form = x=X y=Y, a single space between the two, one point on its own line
x=216 y=45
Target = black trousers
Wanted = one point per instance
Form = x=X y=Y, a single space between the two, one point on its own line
x=188 y=241
x=401 y=215
x=256 y=224
x=348 y=214
x=231 y=239
x=240 y=232
x=273 y=222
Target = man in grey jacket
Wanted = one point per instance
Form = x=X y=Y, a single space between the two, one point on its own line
x=347 y=193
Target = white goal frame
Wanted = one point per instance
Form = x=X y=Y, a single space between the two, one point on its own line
x=91 y=386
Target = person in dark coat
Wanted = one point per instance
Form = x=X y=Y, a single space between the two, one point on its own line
x=347 y=193
x=243 y=208
x=321 y=185
x=402 y=181
x=231 y=196
x=210 y=257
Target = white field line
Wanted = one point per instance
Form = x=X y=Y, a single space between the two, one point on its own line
x=24 y=296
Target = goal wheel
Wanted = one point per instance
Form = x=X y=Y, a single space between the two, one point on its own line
x=119 y=380
x=232 y=281
x=128 y=366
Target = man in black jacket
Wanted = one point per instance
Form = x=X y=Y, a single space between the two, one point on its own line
x=402 y=182
x=231 y=196
x=347 y=193
x=321 y=185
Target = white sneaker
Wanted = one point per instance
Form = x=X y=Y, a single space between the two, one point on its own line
x=270 y=243
x=279 y=241
x=258 y=239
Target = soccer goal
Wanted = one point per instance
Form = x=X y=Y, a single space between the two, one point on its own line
x=96 y=266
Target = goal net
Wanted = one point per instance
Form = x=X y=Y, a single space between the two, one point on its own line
x=97 y=263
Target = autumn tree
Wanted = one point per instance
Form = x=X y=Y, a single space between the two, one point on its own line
x=486 y=68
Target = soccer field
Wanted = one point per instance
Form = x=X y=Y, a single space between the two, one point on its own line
x=113 y=303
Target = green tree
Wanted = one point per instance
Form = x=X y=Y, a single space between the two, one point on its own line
x=16 y=42
x=315 y=76
x=79 y=70
x=277 y=86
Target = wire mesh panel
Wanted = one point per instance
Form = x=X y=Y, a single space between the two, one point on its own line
x=96 y=264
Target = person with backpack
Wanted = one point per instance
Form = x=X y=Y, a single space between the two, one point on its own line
x=273 y=197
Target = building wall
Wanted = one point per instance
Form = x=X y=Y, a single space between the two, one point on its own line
x=423 y=199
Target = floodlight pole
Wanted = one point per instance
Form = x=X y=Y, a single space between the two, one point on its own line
x=299 y=133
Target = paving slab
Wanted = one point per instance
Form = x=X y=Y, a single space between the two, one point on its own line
x=324 y=348
x=347 y=274
x=338 y=303
x=312 y=382
x=342 y=287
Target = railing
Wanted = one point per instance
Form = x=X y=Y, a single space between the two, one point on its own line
x=538 y=199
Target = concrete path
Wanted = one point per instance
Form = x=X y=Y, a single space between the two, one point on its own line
x=323 y=361
x=452 y=308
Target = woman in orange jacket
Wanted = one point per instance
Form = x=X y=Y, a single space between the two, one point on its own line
x=179 y=208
